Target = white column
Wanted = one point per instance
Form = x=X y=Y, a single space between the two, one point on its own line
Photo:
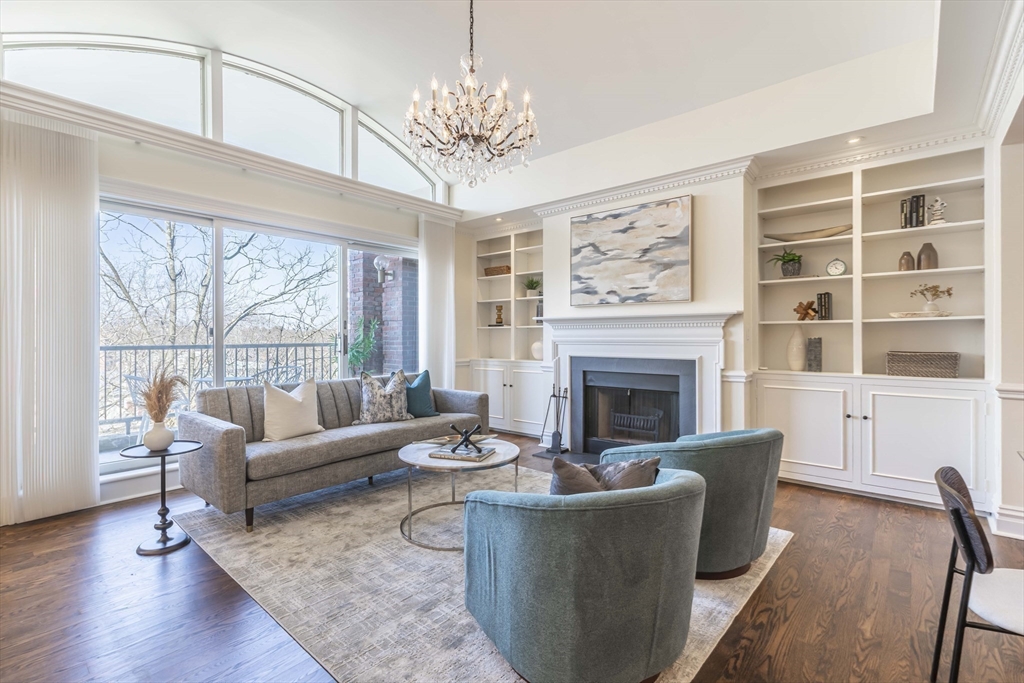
x=437 y=301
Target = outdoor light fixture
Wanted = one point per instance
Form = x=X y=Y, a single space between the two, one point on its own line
x=381 y=263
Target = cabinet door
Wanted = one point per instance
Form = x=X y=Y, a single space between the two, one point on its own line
x=908 y=432
x=813 y=418
x=530 y=388
x=492 y=380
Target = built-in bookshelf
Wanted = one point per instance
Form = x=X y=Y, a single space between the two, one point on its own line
x=868 y=199
x=522 y=253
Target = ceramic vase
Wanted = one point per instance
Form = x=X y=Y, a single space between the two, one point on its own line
x=530 y=293
x=537 y=350
x=907 y=261
x=927 y=258
x=796 y=350
x=930 y=306
x=158 y=438
x=791 y=268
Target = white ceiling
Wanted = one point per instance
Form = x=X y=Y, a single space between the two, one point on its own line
x=594 y=68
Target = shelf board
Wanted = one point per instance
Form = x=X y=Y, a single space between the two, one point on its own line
x=809 y=207
x=808 y=278
x=529 y=298
x=530 y=250
x=805 y=322
x=951 y=318
x=492 y=301
x=529 y=327
x=945 y=187
x=505 y=252
x=942 y=229
x=531 y=272
x=494 y=277
x=868 y=375
x=488 y=327
x=820 y=240
x=936 y=271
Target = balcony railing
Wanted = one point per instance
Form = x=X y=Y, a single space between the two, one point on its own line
x=124 y=369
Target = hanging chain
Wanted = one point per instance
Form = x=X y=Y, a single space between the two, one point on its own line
x=472 y=65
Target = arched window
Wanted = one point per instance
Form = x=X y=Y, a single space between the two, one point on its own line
x=157 y=86
x=263 y=109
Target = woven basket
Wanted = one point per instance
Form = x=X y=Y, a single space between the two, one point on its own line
x=497 y=270
x=945 y=364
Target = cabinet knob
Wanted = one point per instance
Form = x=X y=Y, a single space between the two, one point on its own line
x=511 y=386
x=866 y=417
x=848 y=416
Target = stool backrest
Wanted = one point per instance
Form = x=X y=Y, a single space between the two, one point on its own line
x=967 y=530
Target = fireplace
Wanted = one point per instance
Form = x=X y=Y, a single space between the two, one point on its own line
x=628 y=401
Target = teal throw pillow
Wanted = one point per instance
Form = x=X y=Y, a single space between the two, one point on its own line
x=420 y=400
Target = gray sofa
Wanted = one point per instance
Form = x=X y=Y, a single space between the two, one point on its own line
x=590 y=587
x=236 y=470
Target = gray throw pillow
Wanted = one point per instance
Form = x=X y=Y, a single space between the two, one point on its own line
x=568 y=479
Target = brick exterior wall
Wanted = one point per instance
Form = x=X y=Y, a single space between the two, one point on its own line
x=395 y=303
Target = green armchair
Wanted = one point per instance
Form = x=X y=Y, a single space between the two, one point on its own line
x=589 y=587
x=741 y=469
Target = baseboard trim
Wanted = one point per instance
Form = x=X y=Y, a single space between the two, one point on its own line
x=1008 y=521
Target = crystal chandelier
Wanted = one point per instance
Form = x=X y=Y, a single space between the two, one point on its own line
x=470 y=133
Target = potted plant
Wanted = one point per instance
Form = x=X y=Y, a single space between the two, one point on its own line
x=931 y=294
x=159 y=394
x=790 y=262
x=532 y=285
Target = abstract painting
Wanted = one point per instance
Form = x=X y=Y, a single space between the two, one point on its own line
x=639 y=254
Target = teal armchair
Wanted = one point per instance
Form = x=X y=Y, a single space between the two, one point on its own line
x=741 y=469
x=589 y=587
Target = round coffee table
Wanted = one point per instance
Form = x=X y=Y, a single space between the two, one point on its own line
x=418 y=456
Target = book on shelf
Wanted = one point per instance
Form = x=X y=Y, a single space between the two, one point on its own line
x=912 y=212
x=467 y=454
x=824 y=306
x=920 y=211
x=904 y=213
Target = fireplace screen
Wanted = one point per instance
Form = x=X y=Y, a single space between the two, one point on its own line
x=616 y=416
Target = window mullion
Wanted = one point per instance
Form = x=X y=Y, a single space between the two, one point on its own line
x=218 y=303
x=215 y=95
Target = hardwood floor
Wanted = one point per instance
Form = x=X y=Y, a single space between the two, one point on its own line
x=854 y=597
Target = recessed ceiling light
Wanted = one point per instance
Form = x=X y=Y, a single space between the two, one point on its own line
x=854 y=141
x=497 y=220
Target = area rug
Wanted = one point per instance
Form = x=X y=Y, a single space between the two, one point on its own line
x=332 y=569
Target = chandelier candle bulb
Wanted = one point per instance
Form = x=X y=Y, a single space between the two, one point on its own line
x=433 y=90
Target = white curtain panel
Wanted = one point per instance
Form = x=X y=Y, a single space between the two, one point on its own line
x=437 y=302
x=49 y=200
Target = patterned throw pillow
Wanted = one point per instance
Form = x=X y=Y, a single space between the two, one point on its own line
x=568 y=479
x=382 y=403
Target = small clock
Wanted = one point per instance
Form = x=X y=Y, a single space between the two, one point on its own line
x=836 y=267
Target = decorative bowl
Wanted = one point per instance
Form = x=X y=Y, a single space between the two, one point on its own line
x=922 y=314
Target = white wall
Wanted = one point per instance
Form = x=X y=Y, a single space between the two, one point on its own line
x=465 y=296
x=173 y=171
x=1012 y=321
x=718 y=244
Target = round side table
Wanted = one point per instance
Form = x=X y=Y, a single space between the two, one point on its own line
x=167 y=543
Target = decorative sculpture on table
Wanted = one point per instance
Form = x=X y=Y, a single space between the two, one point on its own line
x=466 y=440
x=497 y=315
x=805 y=310
x=937 y=208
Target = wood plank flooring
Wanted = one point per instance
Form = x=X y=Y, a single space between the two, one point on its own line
x=854 y=597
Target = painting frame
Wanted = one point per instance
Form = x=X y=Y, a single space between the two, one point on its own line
x=633 y=254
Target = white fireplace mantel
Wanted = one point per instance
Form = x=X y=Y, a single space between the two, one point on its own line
x=699 y=337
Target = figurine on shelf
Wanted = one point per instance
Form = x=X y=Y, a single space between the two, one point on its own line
x=497 y=315
x=805 y=310
x=936 y=209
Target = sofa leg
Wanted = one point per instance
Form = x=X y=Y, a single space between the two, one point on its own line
x=207 y=504
x=721 y=576
x=370 y=480
x=248 y=518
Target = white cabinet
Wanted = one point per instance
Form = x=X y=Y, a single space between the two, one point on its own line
x=815 y=417
x=908 y=432
x=518 y=392
x=878 y=435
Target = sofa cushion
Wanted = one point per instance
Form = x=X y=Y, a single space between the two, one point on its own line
x=419 y=397
x=266 y=459
x=383 y=402
x=290 y=414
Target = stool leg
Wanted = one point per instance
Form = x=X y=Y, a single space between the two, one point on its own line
x=942 y=615
x=961 y=624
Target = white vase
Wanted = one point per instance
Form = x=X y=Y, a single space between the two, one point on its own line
x=930 y=306
x=796 y=350
x=159 y=438
x=537 y=350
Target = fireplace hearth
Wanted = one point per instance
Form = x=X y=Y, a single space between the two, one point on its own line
x=627 y=401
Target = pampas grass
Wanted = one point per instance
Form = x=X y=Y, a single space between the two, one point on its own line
x=160 y=392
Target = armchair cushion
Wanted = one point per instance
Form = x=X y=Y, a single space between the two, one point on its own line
x=568 y=479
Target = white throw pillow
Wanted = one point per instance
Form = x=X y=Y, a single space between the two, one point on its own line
x=287 y=415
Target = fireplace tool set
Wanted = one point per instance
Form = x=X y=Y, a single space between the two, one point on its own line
x=556 y=404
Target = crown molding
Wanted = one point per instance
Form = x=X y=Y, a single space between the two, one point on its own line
x=640 y=322
x=695 y=176
x=29 y=100
x=1004 y=67
x=828 y=163
x=138 y=194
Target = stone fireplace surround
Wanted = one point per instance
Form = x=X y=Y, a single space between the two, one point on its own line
x=698 y=337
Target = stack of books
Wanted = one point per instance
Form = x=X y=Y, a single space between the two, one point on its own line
x=463 y=454
x=912 y=212
x=824 y=306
